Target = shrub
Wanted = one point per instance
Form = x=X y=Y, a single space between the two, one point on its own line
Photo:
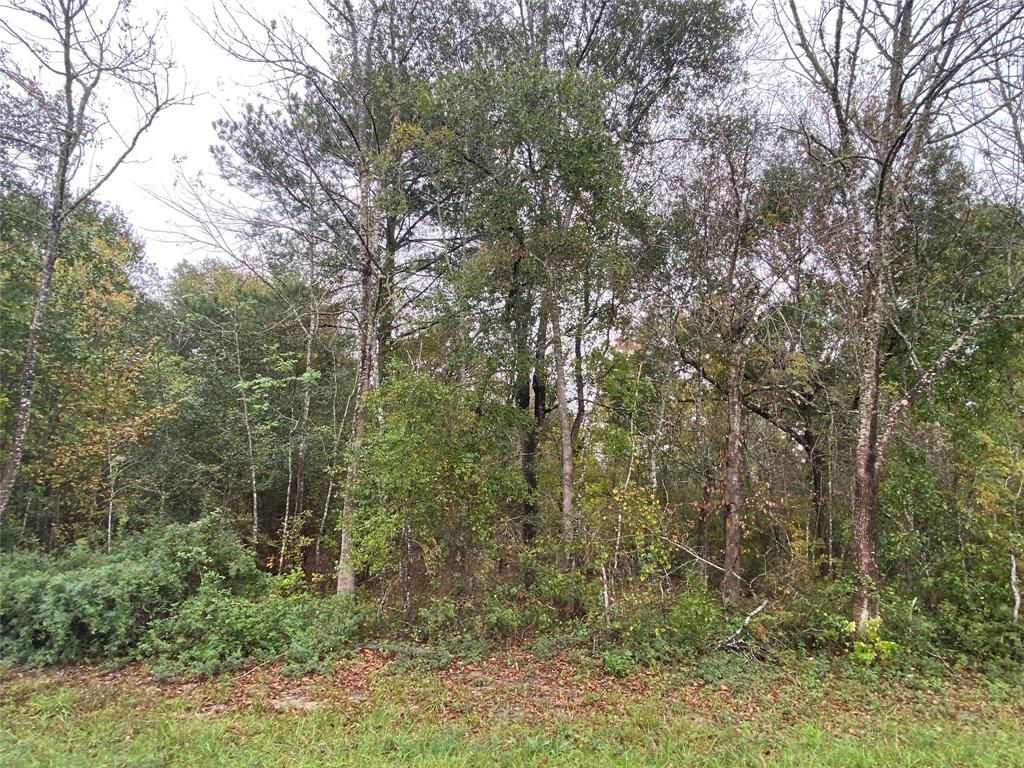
x=618 y=662
x=816 y=622
x=88 y=604
x=652 y=628
x=215 y=630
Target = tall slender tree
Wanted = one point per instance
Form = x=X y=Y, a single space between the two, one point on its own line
x=88 y=53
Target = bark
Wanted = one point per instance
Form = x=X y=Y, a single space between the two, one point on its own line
x=818 y=462
x=532 y=440
x=110 y=500
x=69 y=140
x=346 y=584
x=733 y=498
x=565 y=433
x=1015 y=586
x=865 y=496
x=19 y=429
x=249 y=444
x=369 y=236
x=581 y=402
x=287 y=513
x=518 y=314
x=386 y=300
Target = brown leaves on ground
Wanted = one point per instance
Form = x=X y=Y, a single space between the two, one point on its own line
x=513 y=685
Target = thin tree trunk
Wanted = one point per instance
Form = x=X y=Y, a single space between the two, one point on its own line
x=386 y=300
x=110 y=500
x=249 y=444
x=369 y=235
x=865 y=498
x=518 y=310
x=733 y=498
x=287 y=512
x=1015 y=586
x=337 y=428
x=581 y=402
x=819 y=505
x=19 y=429
x=58 y=207
x=532 y=439
x=323 y=524
x=346 y=584
x=568 y=521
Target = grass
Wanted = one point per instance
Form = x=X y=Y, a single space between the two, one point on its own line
x=512 y=710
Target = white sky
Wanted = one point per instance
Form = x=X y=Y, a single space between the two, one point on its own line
x=221 y=85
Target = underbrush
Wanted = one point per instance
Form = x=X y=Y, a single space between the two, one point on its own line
x=92 y=604
x=215 y=630
x=189 y=599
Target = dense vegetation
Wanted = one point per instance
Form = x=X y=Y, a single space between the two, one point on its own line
x=560 y=323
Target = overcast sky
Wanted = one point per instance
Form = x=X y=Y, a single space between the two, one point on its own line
x=221 y=85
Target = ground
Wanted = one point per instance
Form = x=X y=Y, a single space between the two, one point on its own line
x=512 y=709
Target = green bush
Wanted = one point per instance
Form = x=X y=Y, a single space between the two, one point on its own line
x=618 y=662
x=215 y=630
x=89 y=604
x=816 y=622
x=653 y=628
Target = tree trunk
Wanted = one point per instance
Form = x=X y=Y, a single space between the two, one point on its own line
x=819 y=505
x=865 y=496
x=565 y=433
x=19 y=430
x=58 y=210
x=365 y=320
x=1015 y=586
x=346 y=575
x=287 y=512
x=110 y=500
x=532 y=440
x=386 y=300
x=581 y=402
x=733 y=498
x=518 y=315
x=249 y=443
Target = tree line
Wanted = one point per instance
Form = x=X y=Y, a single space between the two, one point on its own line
x=631 y=294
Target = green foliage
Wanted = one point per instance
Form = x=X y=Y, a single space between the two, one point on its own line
x=817 y=621
x=87 y=604
x=870 y=648
x=216 y=630
x=437 y=472
x=618 y=662
x=647 y=627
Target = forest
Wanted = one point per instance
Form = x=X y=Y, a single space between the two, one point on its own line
x=643 y=333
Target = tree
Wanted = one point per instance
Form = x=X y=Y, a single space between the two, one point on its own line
x=85 y=53
x=890 y=81
x=734 y=269
x=102 y=376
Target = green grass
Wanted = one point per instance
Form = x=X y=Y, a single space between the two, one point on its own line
x=500 y=716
